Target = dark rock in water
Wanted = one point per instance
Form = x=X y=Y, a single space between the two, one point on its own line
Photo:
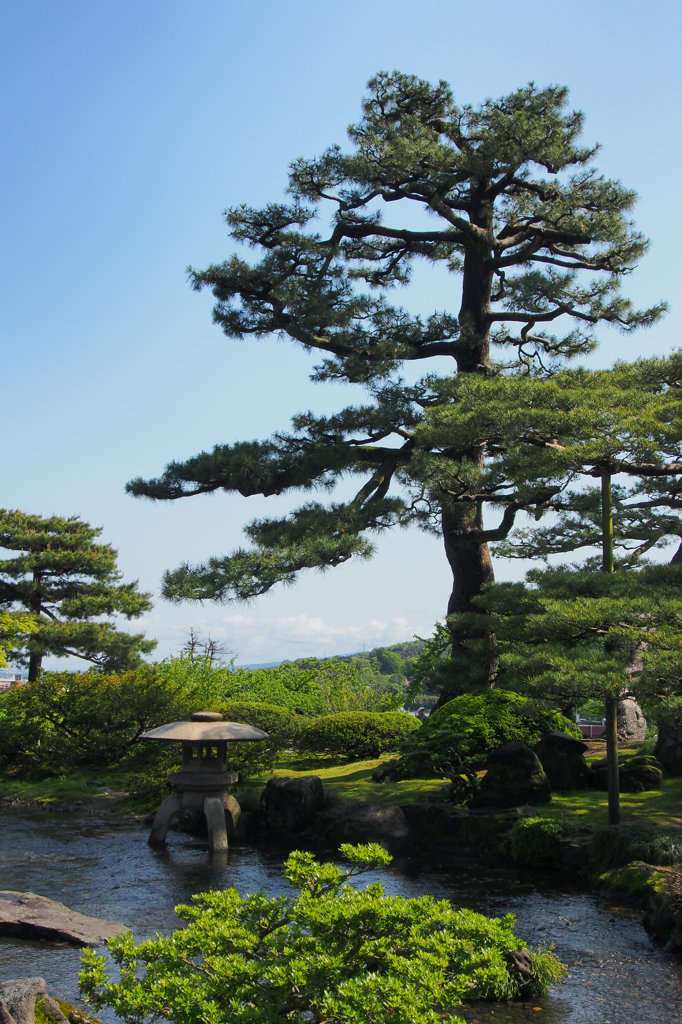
x=514 y=777
x=669 y=747
x=290 y=803
x=361 y=823
x=631 y=721
x=24 y=915
x=563 y=760
x=465 y=833
x=19 y=998
x=575 y=852
x=636 y=775
x=520 y=964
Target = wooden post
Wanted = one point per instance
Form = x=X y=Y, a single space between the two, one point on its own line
x=612 y=760
x=611 y=702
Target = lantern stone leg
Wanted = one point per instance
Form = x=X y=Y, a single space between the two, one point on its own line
x=214 y=809
x=162 y=820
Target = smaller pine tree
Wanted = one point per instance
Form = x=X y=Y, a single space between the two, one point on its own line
x=67 y=584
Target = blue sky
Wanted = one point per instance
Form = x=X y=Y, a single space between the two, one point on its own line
x=127 y=128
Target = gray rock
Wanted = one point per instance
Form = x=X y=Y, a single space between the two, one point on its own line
x=361 y=823
x=669 y=747
x=563 y=760
x=24 y=915
x=635 y=775
x=5 y=1016
x=20 y=996
x=514 y=777
x=631 y=721
x=290 y=803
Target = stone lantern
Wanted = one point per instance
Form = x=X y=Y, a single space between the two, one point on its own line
x=204 y=777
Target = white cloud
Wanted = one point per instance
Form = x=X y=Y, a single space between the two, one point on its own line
x=257 y=638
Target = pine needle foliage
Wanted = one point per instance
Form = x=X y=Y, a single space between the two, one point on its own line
x=67 y=584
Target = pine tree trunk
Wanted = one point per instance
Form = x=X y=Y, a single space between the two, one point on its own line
x=470 y=560
x=35 y=660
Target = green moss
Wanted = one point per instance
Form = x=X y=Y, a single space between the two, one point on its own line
x=72 y=1013
x=636 y=883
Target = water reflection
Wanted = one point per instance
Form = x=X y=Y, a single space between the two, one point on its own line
x=103 y=867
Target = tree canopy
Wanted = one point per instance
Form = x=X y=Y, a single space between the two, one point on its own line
x=67 y=583
x=503 y=196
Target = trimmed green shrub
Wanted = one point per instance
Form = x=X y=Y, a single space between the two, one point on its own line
x=356 y=733
x=276 y=721
x=617 y=845
x=536 y=842
x=469 y=726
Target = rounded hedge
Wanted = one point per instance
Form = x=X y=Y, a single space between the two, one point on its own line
x=356 y=733
x=271 y=718
x=471 y=725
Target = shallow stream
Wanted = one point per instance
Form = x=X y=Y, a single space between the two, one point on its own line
x=103 y=867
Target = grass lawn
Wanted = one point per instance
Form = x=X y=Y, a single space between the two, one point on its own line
x=69 y=788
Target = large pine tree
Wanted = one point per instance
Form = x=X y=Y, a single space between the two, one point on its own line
x=67 y=584
x=505 y=198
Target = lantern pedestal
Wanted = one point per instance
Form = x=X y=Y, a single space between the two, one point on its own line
x=204 y=777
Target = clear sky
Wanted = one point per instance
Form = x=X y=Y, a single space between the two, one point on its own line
x=127 y=127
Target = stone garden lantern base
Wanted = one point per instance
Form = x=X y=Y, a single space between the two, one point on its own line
x=204 y=777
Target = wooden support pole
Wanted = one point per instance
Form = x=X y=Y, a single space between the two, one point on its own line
x=612 y=760
x=611 y=702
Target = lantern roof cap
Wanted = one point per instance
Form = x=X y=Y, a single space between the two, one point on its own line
x=205 y=727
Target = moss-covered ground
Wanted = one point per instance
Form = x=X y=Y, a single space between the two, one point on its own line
x=353 y=781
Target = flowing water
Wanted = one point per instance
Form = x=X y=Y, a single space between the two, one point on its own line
x=103 y=867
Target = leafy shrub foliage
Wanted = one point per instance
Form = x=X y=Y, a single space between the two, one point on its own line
x=65 y=719
x=536 y=842
x=469 y=726
x=342 y=955
x=357 y=733
x=617 y=845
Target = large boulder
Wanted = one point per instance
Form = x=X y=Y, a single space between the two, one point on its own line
x=289 y=803
x=18 y=998
x=635 y=775
x=669 y=747
x=563 y=760
x=24 y=915
x=514 y=777
x=361 y=823
x=631 y=721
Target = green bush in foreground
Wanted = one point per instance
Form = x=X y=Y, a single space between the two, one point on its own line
x=356 y=733
x=469 y=726
x=343 y=955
